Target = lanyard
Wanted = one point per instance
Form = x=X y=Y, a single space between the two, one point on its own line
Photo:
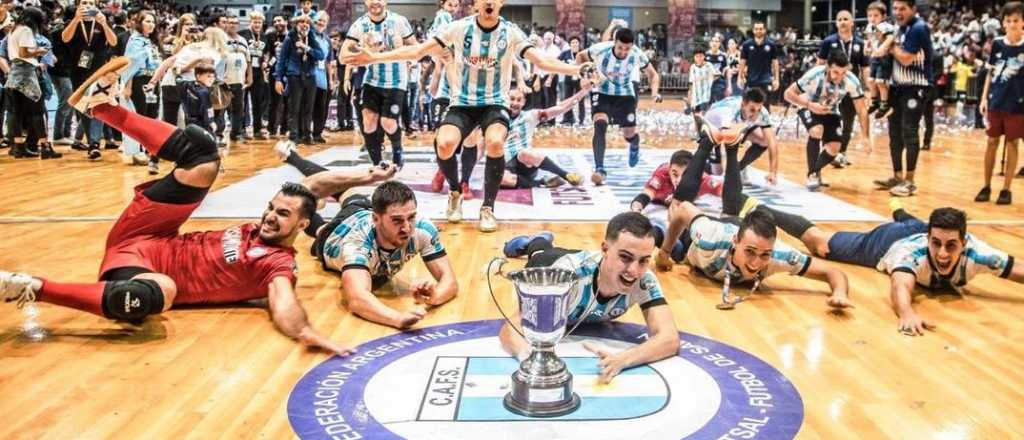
x=88 y=35
x=727 y=303
x=847 y=50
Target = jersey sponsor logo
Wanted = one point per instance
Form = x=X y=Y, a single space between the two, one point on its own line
x=452 y=379
x=230 y=243
x=256 y=252
x=483 y=63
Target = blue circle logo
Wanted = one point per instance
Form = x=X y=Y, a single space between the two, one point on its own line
x=448 y=382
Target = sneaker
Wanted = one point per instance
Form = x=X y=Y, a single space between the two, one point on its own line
x=284 y=149
x=574 y=179
x=984 y=195
x=838 y=162
x=926 y=146
x=813 y=182
x=154 y=167
x=94 y=154
x=895 y=204
x=634 y=155
x=79 y=146
x=102 y=87
x=437 y=183
x=64 y=141
x=17 y=287
x=516 y=247
x=137 y=159
x=554 y=182
x=599 y=176
x=749 y=205
x=454 y=213
x=873 y=108
x=111 y=145
x=46 y=152
x=488 y=223
x=1005 y=198
x=319 y=140
x=904 y=189
x=884 y=111
x=467 y=192
x=888 y=183
x=846 y=160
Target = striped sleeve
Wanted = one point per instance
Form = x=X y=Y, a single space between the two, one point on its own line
x=428 y=241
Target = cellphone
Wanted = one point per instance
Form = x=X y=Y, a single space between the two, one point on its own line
x=91 y=12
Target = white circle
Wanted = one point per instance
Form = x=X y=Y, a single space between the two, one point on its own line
x=631 y=117
x=394 y=395
x=394 y=108
x=911 y=103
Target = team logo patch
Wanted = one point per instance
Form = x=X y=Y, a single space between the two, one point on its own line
x=911 y=103
x=256 y=252
x=395 y=109
x=449 y=382
x=502 y=44
x=631 y=117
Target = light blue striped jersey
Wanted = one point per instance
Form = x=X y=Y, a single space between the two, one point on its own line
x=354 y=244
x=816 y=86
x=480 y=72
x=520 y=132
x=646 y=291
x=729 y=111
x=713 y=246
x=701 y=78
x=911 y=255
x=441 y=19
x=389 y=34
x=618 y=72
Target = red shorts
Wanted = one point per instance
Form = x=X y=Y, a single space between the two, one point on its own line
x=143 y=225
x=1006 y=124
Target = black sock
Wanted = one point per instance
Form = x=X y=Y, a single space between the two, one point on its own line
x=494 y=168
x=659 y=236
x=824 y=158
x=600 y=129
x=374 y=143
x=396 y=142
x=732 y=187
x=813 y=149
x=551 y=167
x=449 y=168
x=305 y=166
x=753 y=153
x=538 y=244
x=468 y=158
x=792 y=224
x=315 y=222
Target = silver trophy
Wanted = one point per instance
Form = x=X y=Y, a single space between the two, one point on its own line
x=542 y=387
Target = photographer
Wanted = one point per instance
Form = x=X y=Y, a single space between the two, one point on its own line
x=294 y=79
x=89 y=39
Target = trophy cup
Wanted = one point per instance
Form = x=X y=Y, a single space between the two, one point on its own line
x=542 y=386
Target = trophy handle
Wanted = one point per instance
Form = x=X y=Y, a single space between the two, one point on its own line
x=501 y=263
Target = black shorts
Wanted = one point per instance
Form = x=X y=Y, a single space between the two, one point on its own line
x=351 y=205
x=831 y=124
x=621 y=110
x=469 y=118
x=386 y=102
x=439 y=106
x=518 y=168
x=701 y=108
x=881 y=68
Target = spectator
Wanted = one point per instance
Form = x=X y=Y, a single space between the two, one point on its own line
x=294 y=79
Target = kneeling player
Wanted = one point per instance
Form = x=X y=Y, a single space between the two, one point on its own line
x=610 y=281
x=522 y=162
x=148 y=266
x=369 y=241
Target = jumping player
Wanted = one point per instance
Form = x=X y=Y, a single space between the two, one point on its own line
x=484 y=48
x=148 y=266
x=615 y=100
x=610 y=282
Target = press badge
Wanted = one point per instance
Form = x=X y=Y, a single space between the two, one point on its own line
x=85 y=61
x=209 y=113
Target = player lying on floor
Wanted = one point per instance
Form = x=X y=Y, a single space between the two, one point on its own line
x=522 y=162
x=738 y=249
x=149 y=266
x=659 y=188
x=611 y=281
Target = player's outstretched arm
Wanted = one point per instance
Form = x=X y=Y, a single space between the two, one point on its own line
x=404 y=53
x=902 y=287
x=442 y=288
x=655 y=80
x=357 y=288
x=290 y=318
x=550 y=64
x=1017 y=272
x=338 y=181
x=836 y=279
x=511 y=341
x=641 y=200
x=662 y=342
x=566 y=104
x=680 y=214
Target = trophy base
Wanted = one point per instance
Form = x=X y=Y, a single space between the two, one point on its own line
x=542 y=401
x=542 y=410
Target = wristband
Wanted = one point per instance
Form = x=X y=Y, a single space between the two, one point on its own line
x=643 y=199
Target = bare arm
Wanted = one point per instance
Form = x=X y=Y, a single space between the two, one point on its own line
x=404 y=53
x=551 y=65
x=901 y=291
x=983 y=106
x=338 y=181
x=1017 y=273
x=511 y=341
x=290 y=318
x=6 y=68
x=69 y=30
x=108 y=32
x=565 y=105
x=357 y=291
x=742 y=72
x=655 y=80
x=821 y=269
x=637 y=206
x=162 y=70
x=447 y=286
x=662 y=342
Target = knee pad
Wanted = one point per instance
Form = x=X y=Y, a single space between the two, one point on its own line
x=195 y=146
x=132 y=300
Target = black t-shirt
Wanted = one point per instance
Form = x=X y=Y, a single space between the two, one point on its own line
x=759 y=59
x=60 y=50
x=272 y=41
x=854 y=50
x=123 y=34
x=256 y=47
x=83 y=64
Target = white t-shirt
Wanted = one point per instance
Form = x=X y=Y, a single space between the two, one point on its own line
x=237 y=60
x=22 y=36
x=190 y=53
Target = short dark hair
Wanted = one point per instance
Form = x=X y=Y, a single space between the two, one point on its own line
x=681 y=158
x=625 y=35
x=1012 y=8
x=292 y=189
x=754 y=94
x=575 y=37
x=203 y=69
x=759 y=22
x=878 y=6
x=950 y=219
x=634 y=223
x=838 y=58
x=911 y=3
x=390 y=193
x=698 y=50
x=761 y=222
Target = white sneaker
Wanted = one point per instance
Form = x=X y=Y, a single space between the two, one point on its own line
x=839 y=161
x=284 y=149
x=904 y=189
x=64 y=141
x=744 y=179
x=813 y=182
x=454 y=213
x=488 y=223
x=17 y=287
x=102 y=87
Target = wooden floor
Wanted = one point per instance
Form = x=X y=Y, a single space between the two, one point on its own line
x=225 y=371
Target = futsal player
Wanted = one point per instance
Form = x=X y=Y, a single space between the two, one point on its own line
x=615 y=100
x=522 y=161
x=484 y=48
x=611 y=281
x=149 y=266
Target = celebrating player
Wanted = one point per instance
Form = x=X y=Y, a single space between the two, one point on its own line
x=522 y=161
